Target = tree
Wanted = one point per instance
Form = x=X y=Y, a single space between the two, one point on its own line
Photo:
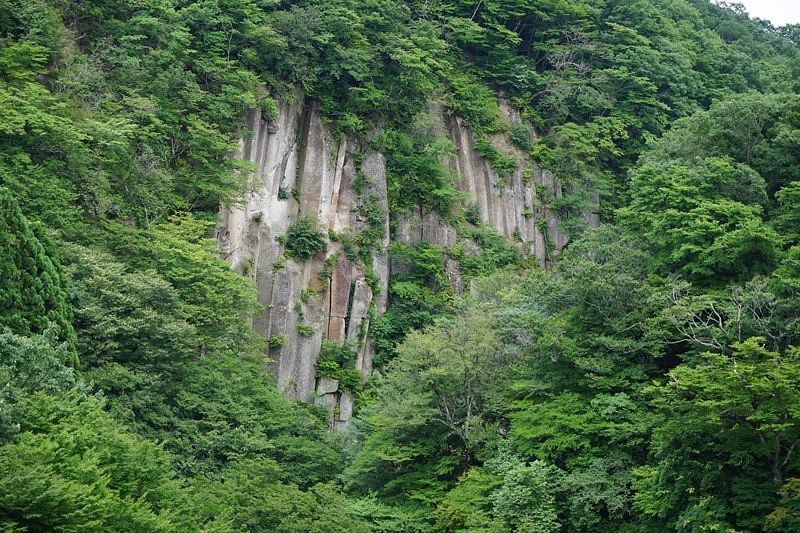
x=728 y=438
x=573 y=398
x=33 y=294
x=694 y=219
x=430 y=421
x=74 y=468
x=468 y=505
x=786 y=515
x=753 y=129
x=30 y=364
x=253 y=498
x=215 y=300
x=694 y=321
x=525 y=500
x=131 y=318
x=134 y=340
x=787 y=215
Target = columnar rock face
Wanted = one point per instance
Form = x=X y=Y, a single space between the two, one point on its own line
x=301 y=170
x=510 y=203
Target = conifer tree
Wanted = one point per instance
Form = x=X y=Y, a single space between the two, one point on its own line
x=33 y=293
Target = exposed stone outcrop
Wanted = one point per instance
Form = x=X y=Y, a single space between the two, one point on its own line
x=510 y=203
x=301 y=170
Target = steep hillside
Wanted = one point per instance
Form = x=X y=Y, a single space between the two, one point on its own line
x=302 y=173
x=536 y=259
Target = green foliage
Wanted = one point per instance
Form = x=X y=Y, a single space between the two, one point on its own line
x=495 y=252
x=28 y=365
x=567 y=346
x=361 y=182
x=472 y=214
x=373 y=233
x=384 y=517
x=758 y=131
x=504 y=165
x=326 y=271
x=416 y=175
x=520 y=135
x=468 y=506
x=417 y=296
x=213 y=298
x=533 y=406
x=785 y=517
x=565 y=394
x=599 y=492
x=421 y=290
x=140 y=350
x=474 y=102
x=134 y=337
x=228 y=410
x=73 y=467
x=337 y=360
x=786 y=218
x=598 y=81
x=739 y=408
x=252 y=497
x=304 y=239
x=306 y=330
x=426 y=426
x=134 y=319
x=694 y=220
x=276 y=341
x=525 y=500
x=33 y=292
x=127 y=147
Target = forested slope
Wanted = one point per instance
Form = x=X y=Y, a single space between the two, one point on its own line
x=645 y=382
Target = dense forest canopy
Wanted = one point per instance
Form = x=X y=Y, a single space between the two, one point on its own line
x=646 y=382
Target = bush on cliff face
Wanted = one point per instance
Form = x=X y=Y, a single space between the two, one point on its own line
x=304 y=239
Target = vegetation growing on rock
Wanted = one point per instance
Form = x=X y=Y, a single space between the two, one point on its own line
x=645 y=382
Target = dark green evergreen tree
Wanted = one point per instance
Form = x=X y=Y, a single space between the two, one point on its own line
x=33 y=294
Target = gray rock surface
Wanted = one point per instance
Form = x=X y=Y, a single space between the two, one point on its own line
x=302 y=170
x=327 y=385
x=346 y=402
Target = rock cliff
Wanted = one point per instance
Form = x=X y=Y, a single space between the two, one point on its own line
x=300 y=169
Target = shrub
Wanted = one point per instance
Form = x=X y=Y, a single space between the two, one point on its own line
x=304 y=239
x=520 y=136
x=496 y=252
x=472 y=214
x=337 y=361
x=503 y=164
x=276 y=341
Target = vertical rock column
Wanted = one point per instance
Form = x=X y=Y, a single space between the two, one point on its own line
x=351 y=299
x=301 y=171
